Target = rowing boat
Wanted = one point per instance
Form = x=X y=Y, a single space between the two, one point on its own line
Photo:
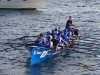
x=39 y=53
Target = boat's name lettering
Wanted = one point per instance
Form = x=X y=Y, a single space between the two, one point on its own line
x=43 y=54
x=36 y=52
x=39 y=52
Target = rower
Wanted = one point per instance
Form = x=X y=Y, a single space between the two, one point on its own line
x=55 y=31
x=48 y=35
x=61 y=42
x=59 y=29
x=55 y=42
x=41 y=40
x=52 y=33
x=65 y=37
x=49 y=43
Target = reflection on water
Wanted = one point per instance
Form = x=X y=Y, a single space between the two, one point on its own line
x=35 y=71
x=4 y=12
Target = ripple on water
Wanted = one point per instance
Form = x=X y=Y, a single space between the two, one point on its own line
x=18 y=27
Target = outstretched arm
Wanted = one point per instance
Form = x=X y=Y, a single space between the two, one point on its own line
x=64 y=42
x=71 y=24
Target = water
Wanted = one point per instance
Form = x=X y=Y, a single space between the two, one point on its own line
x=18 y=27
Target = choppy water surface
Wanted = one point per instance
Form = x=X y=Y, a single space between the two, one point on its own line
x=18 y=27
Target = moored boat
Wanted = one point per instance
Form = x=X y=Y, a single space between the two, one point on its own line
x=20 y=4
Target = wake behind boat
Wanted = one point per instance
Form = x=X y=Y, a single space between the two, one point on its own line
x=40 y=52
x=20 y=4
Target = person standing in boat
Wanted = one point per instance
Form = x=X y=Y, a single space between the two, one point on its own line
x=68 y=24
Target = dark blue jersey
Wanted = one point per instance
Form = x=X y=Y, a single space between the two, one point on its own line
x=69 y=21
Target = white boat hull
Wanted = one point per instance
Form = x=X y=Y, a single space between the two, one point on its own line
x=21 y=4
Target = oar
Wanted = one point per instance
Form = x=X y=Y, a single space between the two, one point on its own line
x=27 y=37
x=72 y=49
x=82 y=52
x=80 y=32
